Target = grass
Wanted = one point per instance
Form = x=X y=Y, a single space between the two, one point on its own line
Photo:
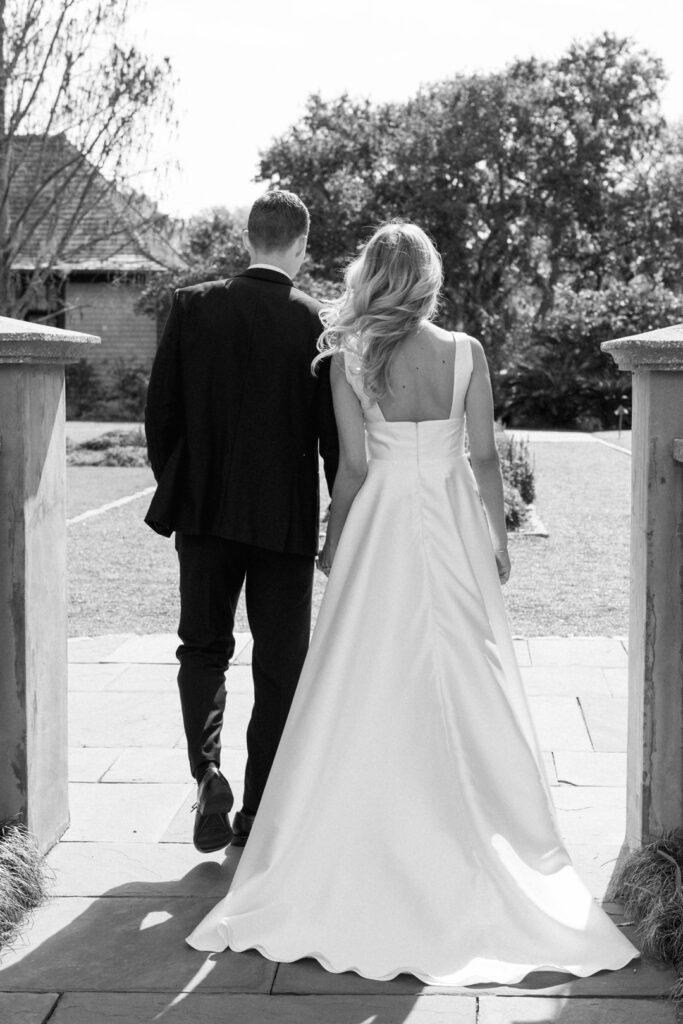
x=650 y=885
x=123 y=577
x=574 y=582
x=98 y=485
x=23 y=879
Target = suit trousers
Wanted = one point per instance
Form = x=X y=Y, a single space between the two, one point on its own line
x=278 y=594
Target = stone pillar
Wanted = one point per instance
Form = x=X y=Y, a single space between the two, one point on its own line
x=33 y=628
x=655 y=687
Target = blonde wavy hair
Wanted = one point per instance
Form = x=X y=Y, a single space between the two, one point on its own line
x=390 y=288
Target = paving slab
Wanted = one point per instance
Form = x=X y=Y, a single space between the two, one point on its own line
x=156 y=648
x=521 y=646
x=26 y=1007
x=243 y=651
x=140 y=764
x=597 y=768
x=198 y=1008
x=94 y=648
x=162 y=678
x=88 y=764
x=307 y=976
x=111 y=719
x=179 y=829
x=591 y=814
x=617 y=681
x=89 y=676
x=608 y=652
x=643 y=979
x=120 y=812
x=559 y=723
x=239 y=679
x=574 y=1011
x=606 y=719
x=153 y=648
x=140 y=869
x=123 y=945
x=595 y=865
x=549 y=765
x=565 y=680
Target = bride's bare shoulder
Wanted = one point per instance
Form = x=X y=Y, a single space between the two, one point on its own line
x=436 y=334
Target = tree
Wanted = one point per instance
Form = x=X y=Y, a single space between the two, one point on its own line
x=525 y=178
x=212 y=250
x=78 y=110
x=556 y=375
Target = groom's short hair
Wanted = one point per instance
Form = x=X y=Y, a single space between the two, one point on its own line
x=276 y=219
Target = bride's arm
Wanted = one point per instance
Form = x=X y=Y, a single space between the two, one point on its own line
x=352 y=458
x=484 y=455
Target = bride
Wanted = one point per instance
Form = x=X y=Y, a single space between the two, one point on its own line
x=407 y=824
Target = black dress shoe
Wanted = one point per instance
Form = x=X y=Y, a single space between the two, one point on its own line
x=214 y=800
x=241 y=827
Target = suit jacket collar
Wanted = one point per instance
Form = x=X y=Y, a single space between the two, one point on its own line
x=275 y=276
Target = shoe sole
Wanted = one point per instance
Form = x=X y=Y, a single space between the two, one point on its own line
x=219 y=804
x=212 y=835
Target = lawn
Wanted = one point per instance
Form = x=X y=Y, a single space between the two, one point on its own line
x=574 y=582
x=123 y=577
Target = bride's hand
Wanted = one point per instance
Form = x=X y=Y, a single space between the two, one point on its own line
x=324 y=560
x=503 y=563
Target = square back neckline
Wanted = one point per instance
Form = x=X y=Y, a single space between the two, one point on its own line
x=459 y=340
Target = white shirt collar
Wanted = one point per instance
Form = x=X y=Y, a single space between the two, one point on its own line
x=268 y=266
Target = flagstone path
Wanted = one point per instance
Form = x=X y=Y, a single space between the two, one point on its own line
x=128 y=885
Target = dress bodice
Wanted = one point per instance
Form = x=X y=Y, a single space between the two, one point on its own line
x=425 y=440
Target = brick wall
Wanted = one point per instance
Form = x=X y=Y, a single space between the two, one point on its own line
x=107 y=309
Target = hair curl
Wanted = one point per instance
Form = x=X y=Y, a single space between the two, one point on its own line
x=390 y=288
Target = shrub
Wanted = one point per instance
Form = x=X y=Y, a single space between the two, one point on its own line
x=517 y=466
x=116 y=439
x=129 y=382
x=116 y=391
x=518 y=477
x=555 y=374
x=23 y=878
x=124 y=456
x=115 y=448
x=515 y=509
x=83 y=388
x=648 y=882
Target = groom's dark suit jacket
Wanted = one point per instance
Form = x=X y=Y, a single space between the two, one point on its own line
x=234 y=416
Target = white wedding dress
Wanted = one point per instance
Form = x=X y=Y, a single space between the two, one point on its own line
x=407 y=824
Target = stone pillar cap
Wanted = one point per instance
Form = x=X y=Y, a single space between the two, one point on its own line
x=24 y=342
x=654 y=350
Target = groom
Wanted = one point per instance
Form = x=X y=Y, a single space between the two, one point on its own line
x=234 y=420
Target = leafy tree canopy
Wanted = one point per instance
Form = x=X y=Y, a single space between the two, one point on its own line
x=546 y=173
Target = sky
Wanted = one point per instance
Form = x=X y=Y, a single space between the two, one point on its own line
x=244 y=69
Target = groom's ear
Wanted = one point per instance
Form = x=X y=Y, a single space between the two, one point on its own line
x=246 y=241
x=300 y=246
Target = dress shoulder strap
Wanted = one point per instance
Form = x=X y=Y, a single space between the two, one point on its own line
x=462 y=372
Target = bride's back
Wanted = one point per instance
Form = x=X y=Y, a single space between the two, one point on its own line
x=421 y=378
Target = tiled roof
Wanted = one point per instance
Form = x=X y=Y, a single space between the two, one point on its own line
x=66 y=215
